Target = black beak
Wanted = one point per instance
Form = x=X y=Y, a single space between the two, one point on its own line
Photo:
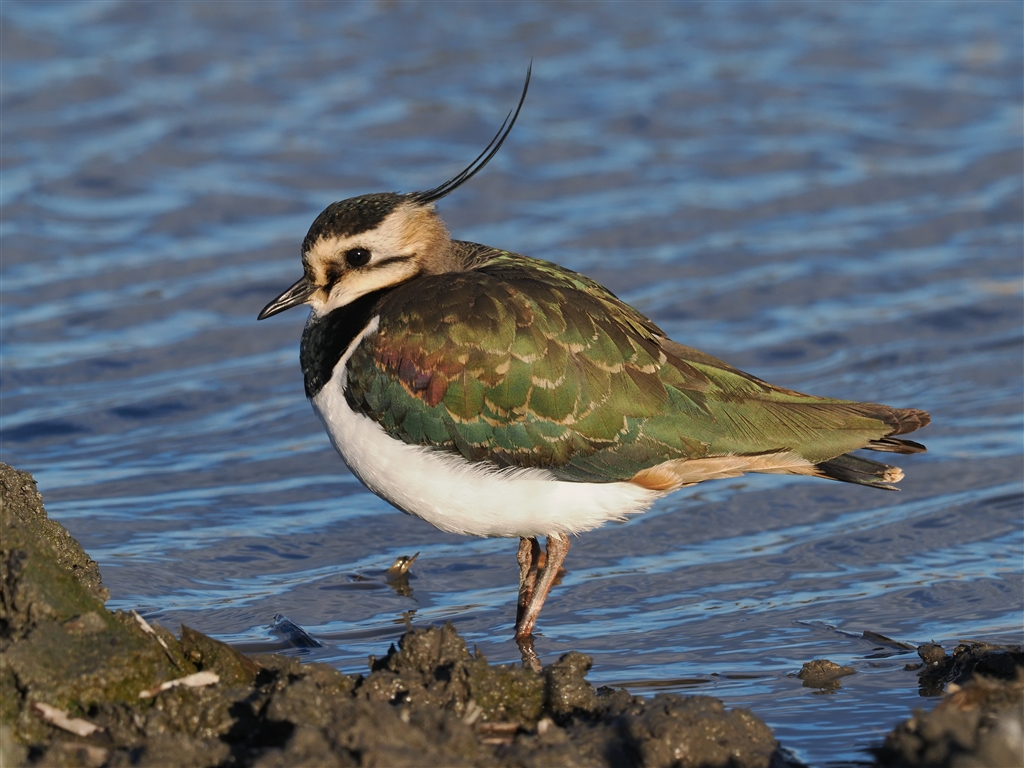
x=294 y=296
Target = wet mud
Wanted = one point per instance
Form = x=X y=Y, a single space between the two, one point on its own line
x=980 y=721
x=82 y=686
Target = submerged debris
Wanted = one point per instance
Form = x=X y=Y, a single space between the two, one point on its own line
x=401 y=566
x=293 y=633
x=823 y=674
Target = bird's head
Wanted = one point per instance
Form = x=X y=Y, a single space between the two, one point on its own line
x=362 y=244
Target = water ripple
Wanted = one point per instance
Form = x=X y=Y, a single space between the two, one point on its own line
x=826 y=195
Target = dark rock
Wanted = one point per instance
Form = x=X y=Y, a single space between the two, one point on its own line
x=507 y=693
x=58 y=644
x=674 y=731
x=568 y=692
x=978 y=725
x=932 y=654
x=1000 y=661
x=823 y=674
x=967 y=660
x=20 y=497
x=205 y=653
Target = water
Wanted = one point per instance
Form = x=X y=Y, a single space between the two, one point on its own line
x=827 y=195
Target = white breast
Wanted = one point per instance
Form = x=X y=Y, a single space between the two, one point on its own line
x=457 y=496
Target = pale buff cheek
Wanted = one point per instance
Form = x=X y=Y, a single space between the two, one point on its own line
x=425 y=235
x=359 y=283
x=410 y=231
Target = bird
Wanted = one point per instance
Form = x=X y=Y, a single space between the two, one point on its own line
x=494 y=394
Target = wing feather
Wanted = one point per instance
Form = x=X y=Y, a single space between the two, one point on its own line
x=522 y=363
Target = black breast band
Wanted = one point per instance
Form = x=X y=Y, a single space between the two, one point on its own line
x=326 y=338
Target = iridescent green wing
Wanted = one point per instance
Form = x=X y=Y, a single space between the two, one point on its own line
x=522 y=363
x=744 y=415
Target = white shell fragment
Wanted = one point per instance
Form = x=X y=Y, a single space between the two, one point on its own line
x=60 y=719
x=198 y=680
x=149 y=630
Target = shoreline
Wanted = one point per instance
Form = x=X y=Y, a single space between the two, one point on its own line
x=82 y=686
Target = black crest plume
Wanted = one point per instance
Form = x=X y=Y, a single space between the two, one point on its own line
x=482 y=159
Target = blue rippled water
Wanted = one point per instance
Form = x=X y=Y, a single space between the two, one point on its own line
x=827 y=195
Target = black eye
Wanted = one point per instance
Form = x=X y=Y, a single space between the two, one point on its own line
x=357 y=257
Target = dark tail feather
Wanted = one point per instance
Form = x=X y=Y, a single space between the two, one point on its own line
x=853 y=469
x=895 y=445
x=902 y=420
x=907 y=420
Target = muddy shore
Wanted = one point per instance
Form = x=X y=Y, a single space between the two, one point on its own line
x=82 y=686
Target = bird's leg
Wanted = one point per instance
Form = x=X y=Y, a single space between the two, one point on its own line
x=558 y=548
x=529 y=553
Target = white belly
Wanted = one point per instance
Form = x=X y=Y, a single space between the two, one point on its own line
x=457 y=496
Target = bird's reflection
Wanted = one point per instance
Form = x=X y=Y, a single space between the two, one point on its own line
x=530 y=658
